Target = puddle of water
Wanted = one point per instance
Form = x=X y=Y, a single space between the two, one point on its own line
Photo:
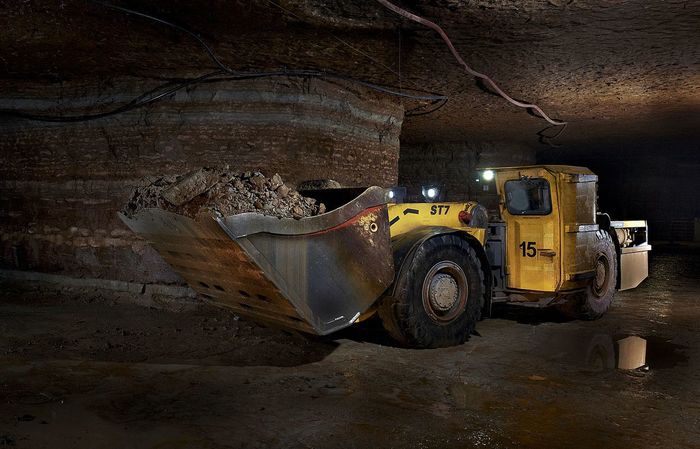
x=662 y=354
x=629 y=352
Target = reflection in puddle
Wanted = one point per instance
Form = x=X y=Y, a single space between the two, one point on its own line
x=632 y=352
x=601 y=353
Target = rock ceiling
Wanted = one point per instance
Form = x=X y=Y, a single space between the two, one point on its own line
x=614 y=70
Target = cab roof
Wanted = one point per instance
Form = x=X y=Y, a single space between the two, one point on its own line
x=566 y=169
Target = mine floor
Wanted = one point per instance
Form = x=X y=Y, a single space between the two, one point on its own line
x=82 y=370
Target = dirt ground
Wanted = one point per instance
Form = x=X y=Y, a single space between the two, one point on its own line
x=82 y=370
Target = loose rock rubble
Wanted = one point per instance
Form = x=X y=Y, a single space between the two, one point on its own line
x=224 y=192
x=317 y=184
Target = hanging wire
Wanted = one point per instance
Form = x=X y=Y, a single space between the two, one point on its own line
x=413 y=113
x=342 y=41
x=218 y=76
x=140 y=101
x=547 y=139
x=466 y=67
x=194 y=35
x=399 y=57
x=214 y=77
x=424 y=96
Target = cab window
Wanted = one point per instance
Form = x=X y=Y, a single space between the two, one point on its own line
x=528 y=196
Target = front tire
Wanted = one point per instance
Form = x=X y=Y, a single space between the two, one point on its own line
x=438 y=298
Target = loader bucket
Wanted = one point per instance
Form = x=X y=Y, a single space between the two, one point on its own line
x=316 y=274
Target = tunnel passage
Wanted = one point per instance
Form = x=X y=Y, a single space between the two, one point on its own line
x=617 y=74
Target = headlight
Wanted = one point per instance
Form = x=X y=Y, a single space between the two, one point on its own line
x=431 y=193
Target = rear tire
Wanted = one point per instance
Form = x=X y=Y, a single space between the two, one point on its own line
x=596 y=299
x=438 y=299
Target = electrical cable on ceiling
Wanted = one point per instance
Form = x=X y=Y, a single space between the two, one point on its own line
x=133 y=104
x=409 y=113
x=546 y=139
x=204 y=45
x=220 y=76
x=302 y=72
x=342 y=41
x=331 y=75
x=398 y=59
x=461 y=61
x=413 y=113
x=223 y=70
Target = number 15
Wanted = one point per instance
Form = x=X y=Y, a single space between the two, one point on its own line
x=529 y=250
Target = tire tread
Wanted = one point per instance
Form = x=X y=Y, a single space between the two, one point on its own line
x=402 y=315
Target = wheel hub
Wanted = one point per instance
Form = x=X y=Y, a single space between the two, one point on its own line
x=601 y=276
x=444 y=292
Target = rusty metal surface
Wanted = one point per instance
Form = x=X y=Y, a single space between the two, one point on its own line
x=242 y=225
x=317 y=282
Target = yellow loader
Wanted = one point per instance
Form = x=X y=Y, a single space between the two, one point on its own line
x=429 y=270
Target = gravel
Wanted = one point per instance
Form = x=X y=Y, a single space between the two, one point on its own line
x=222 y=191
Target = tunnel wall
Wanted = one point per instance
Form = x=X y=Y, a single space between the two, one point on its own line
x=454 y=166
x=61 y=185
